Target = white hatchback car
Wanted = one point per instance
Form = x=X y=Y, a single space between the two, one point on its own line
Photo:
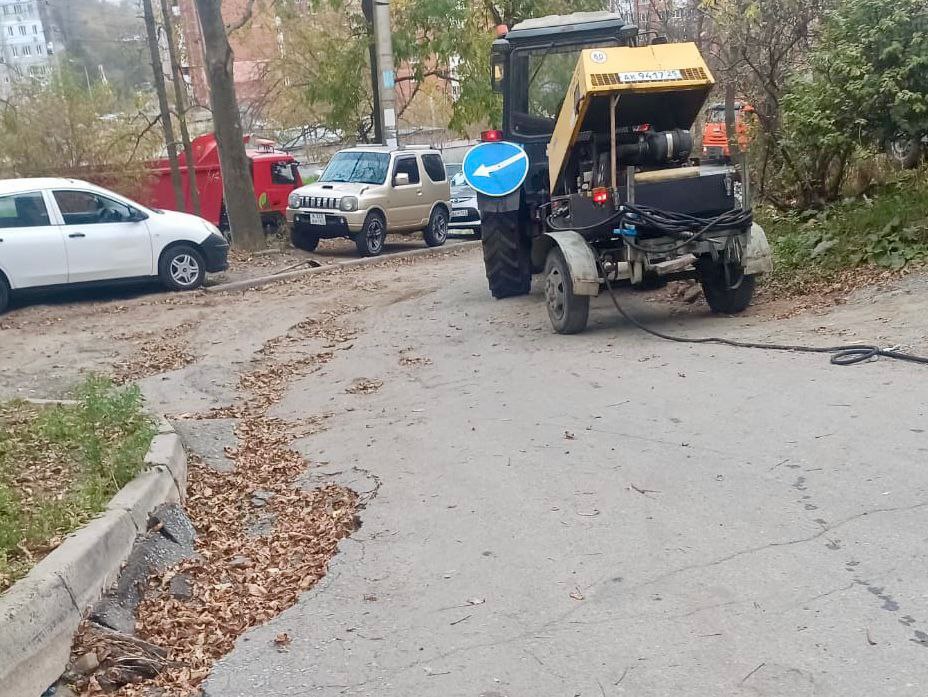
x=65 y=232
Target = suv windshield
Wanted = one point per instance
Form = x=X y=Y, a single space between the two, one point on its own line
x=357 y=168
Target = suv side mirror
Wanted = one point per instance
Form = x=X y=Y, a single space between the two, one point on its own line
x=401 y=179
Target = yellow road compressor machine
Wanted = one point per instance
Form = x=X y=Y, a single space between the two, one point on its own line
x=591 y=180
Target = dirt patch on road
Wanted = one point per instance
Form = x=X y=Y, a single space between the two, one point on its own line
x=239 y=579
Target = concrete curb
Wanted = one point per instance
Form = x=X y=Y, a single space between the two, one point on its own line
x=261 y=281
x=41 y=612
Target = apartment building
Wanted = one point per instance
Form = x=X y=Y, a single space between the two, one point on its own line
x=25 y=49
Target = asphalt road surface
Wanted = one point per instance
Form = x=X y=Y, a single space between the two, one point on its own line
x=595 y=515
x=606 y=514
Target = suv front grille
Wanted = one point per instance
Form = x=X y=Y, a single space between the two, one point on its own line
x=319 y=202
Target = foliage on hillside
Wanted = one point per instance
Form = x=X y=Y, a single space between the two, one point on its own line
x=324 y=76
x=868 y=80
x=64 y=129
x=888 y=229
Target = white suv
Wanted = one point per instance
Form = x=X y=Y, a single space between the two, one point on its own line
x=65 y=232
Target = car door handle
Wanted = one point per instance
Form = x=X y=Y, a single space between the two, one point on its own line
x=77 y=234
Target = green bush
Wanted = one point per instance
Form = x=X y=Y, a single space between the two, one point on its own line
x=867 y=79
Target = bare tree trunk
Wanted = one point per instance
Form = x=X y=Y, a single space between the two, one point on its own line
x=180 y=105
x=238 y=189
x=158 y=76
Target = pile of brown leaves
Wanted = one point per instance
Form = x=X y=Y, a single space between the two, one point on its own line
x=238 y=579
x=158 y=352
x=364 y=386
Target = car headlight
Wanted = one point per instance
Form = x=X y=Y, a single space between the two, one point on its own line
x=294 y=200
x=210 y=228
x=348 y=203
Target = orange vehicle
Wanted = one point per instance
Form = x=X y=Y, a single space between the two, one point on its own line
x=714 y=137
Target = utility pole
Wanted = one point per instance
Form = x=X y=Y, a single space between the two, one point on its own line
x=367 y=7
x=383 y=39
x=158 y=77
x=180 y=105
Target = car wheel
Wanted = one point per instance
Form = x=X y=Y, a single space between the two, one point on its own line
x=370 y=239
x=437 y=232
x=905 y=151
x=182 y=268
x=301 y=238
x=4 y=294
x=567 y=311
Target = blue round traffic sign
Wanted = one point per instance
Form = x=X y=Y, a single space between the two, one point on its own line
x=496 y=168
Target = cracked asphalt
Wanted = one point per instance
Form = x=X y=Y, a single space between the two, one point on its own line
x=596 y=515
x=608 y=514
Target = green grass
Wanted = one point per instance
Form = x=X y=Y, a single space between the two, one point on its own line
x=888 y=228
x=60 y=465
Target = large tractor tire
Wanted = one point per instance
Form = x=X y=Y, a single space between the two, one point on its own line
x=506 y=255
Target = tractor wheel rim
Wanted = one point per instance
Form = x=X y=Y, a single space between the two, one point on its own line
x=375 y=236
x=184 y=269
x=555 y=295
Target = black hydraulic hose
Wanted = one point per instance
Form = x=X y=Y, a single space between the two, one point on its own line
x=849 y=354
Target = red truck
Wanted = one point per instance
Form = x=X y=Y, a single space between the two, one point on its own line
x=273 y=172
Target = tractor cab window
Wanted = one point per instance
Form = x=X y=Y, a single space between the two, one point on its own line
x=715 y=116
x=538 y=82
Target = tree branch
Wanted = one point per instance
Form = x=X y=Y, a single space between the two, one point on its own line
x=245 y=18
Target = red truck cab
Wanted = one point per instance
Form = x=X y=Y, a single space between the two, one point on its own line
x=273 y=172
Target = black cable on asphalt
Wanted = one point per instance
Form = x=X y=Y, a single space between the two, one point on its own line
x=849 y=354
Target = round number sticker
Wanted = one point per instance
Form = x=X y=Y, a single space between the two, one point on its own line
x=598 y=56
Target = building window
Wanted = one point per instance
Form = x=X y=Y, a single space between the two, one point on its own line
x=35 y=29
x=9 y=30
x=22 y=29
x=27 y=50
x=15 y=51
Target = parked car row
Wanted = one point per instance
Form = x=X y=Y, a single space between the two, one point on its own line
x=66 y=233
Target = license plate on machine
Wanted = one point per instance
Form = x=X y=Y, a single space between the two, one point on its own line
x=458 y=214
x=317 y=218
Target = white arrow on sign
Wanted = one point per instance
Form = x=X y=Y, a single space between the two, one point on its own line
x=487 y=170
